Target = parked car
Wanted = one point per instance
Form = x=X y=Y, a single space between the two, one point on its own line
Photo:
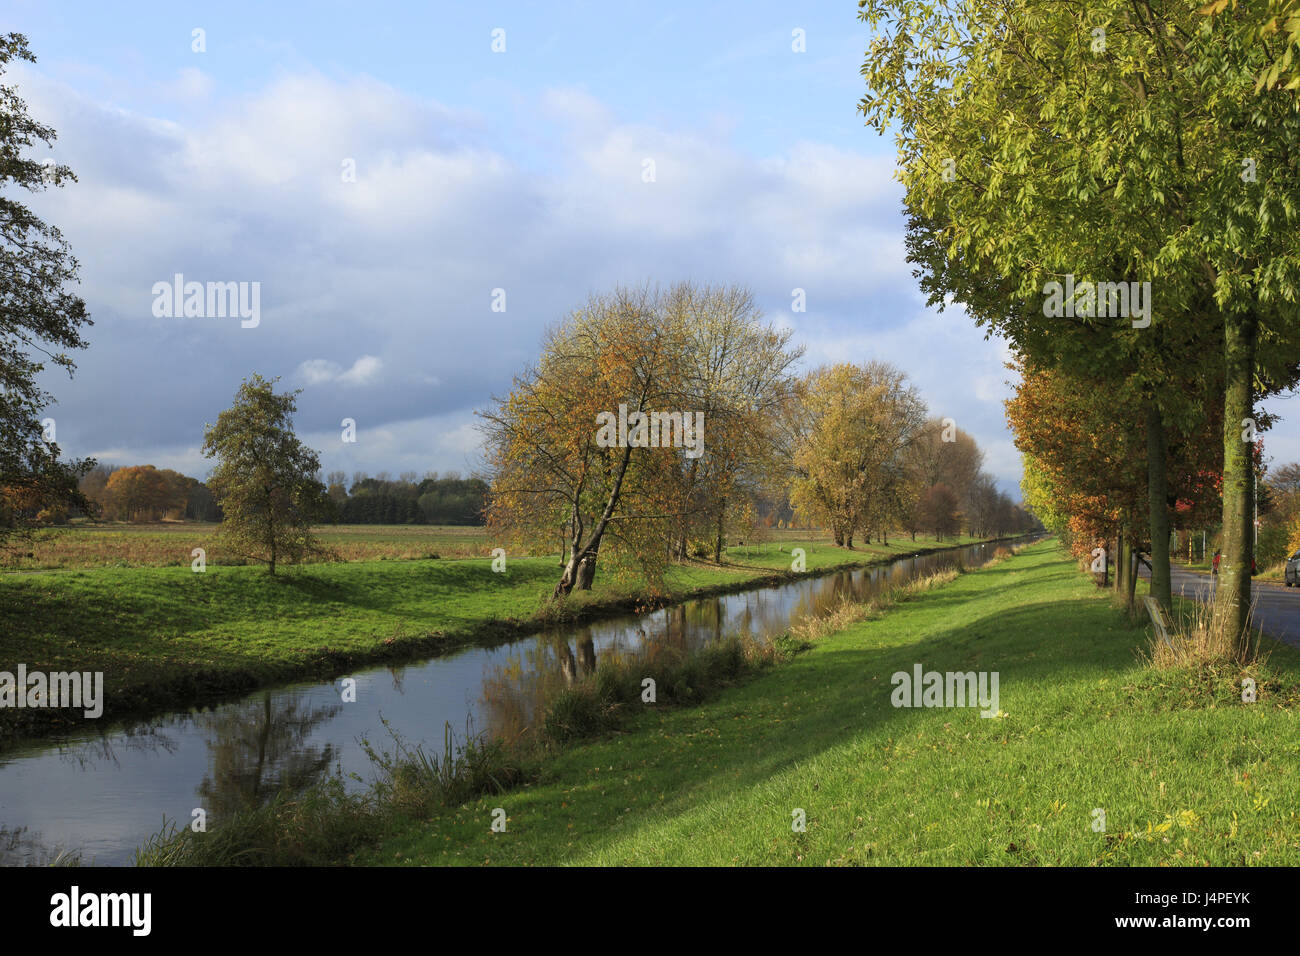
x=1292 y=573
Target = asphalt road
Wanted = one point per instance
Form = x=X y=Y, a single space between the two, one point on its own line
x=1277 y=608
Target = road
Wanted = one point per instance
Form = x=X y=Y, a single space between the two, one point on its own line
x=1277 y=608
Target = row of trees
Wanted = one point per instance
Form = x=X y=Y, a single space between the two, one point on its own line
x=1124 y=141
x=142 y=493
x=1086 y=469
x=449 y=499
x=850 y=448
x=865 y=458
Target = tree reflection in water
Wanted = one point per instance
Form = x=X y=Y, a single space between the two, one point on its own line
x=258 y=750
x=90 y=752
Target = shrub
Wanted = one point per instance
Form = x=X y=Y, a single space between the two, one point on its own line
x=576 y=712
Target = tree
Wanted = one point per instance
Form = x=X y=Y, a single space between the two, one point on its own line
x=941 y=455
x=1098 y=462
x=37 y=314
x=938 y=511
x=146 y=493
x=336 y=486
x=735 y=369
x=854 y=425
x=265 y=478
x=558 y=471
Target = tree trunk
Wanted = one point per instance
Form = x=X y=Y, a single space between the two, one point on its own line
x=1232 y=593
x=587 y=569
x=1158 y=504
x=717 y=542
x=1119 y=560
x=1132 y=578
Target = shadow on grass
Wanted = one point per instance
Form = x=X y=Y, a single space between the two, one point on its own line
x=822 y=700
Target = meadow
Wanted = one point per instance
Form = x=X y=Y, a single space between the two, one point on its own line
x=170 y=543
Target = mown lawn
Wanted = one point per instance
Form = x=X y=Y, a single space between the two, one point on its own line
x=168 y=637
x=1185 y=772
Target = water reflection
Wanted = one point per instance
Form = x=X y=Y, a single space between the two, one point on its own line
x=261 y=748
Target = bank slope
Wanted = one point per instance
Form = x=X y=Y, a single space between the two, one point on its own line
x=1184 y=772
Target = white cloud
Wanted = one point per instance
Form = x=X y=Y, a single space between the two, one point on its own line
x=318 y=371
x=323 y=371
x=191 y=84
x=363 y=371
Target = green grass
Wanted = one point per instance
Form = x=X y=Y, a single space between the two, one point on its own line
x=1185 y=772
x=168 y=637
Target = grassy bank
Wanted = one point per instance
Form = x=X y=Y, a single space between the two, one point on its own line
x=1185 y=773
x=167 y=637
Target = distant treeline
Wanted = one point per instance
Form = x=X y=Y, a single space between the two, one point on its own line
x=146 y=493
x=142 y=493
x=449 y=499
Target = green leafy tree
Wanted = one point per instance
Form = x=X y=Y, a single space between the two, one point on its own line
x=37 y=314
x=265 y=478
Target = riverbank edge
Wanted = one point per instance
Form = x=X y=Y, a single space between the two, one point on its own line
x=209 y=687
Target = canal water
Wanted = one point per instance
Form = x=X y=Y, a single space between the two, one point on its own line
x=102 y=793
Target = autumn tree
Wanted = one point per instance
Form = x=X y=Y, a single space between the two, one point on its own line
x=945 y=454
x=146 y=493
x=1095 y=463
x=557 y=471
x=735 y=369
x=265 y=478
x=854 y=426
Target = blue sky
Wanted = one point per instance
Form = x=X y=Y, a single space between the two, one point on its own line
x=475 y=170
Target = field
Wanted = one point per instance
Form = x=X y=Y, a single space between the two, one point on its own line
x=1095 y=759
x=164 y=544
x=169 y=544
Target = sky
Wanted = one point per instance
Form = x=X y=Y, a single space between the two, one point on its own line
x=381 y=172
